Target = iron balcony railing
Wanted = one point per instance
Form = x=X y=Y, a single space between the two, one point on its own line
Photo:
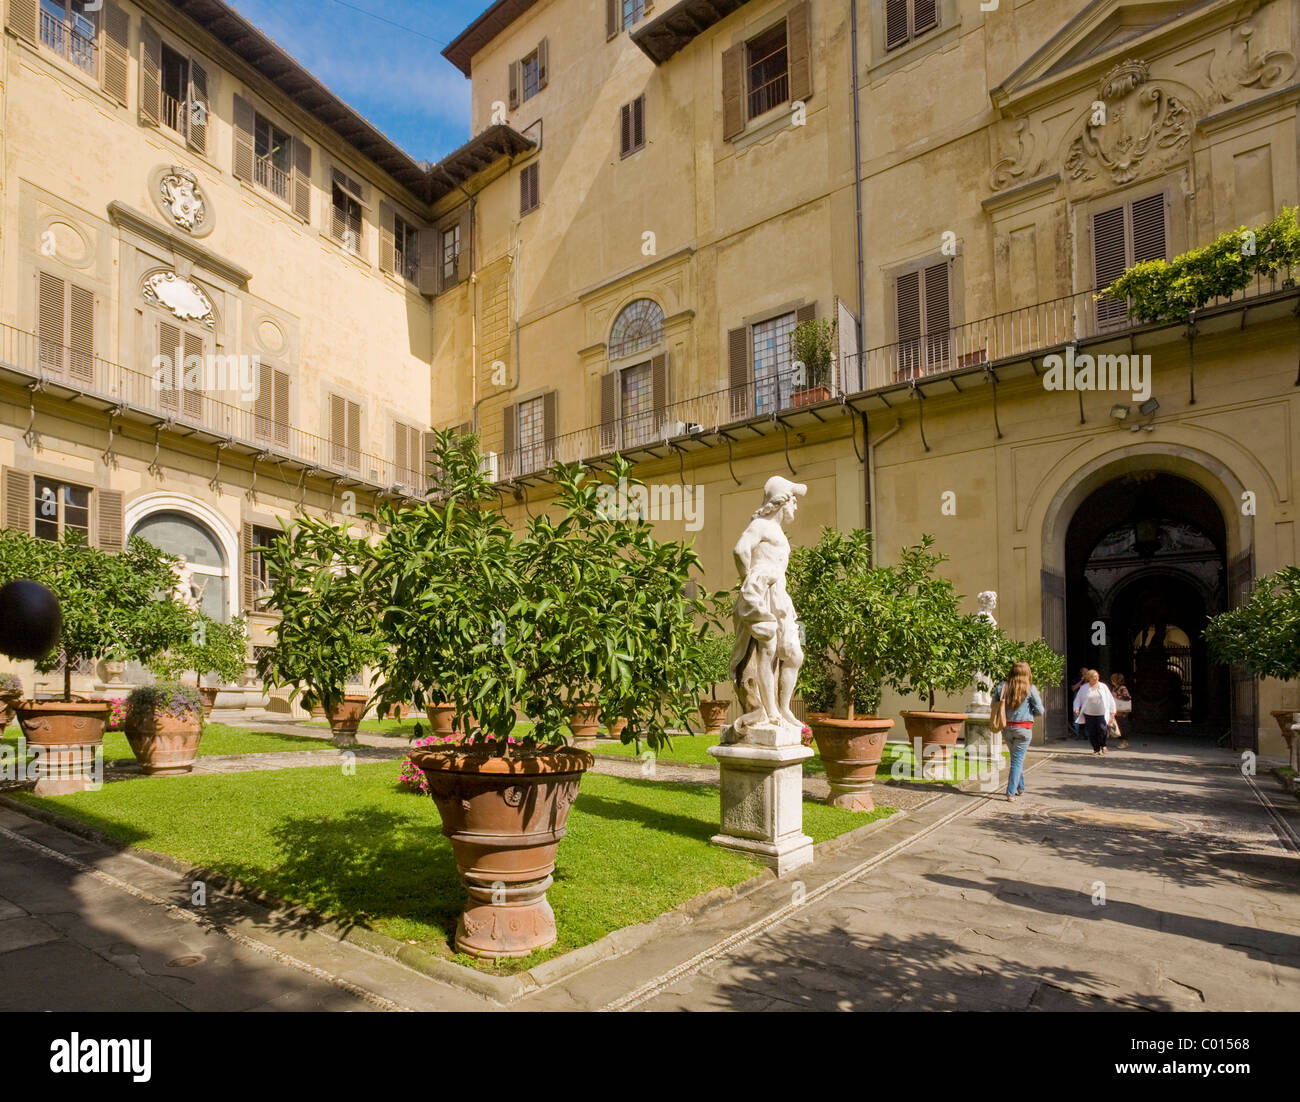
x=1023 y=332
x=72 y=40
x=267 y=174
x=190 y=409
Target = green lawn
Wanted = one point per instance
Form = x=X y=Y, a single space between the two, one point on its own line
x=218 y=738
x=397 y=728
x=364 y=849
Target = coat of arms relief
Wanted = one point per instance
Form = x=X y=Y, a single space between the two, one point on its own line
x=180 y=197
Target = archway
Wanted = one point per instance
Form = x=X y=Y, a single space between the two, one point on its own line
x=1146 y=565
x=181 y=525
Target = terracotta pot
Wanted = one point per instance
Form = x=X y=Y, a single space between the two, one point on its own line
x=585 y=723
x=318 y=711
x=209 y=695
x=8 y=701
x=165 y=745
x=1284 y=719
x=714 y=714
x=442 y=718
x=939 y=733
x=813 y=717
x=65 y=736
x=617 y=728
x=851 y=750
x=809 y=395
x=346 y=718
x=505 y=818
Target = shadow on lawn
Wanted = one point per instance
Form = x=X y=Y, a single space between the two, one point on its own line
x=627 y=811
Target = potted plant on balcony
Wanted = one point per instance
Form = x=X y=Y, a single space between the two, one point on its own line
x=107 y=601
x=505 y=625
x=812 y=352
x=211 y=648
x=164 y=723
x=1263 y=635
x=850 y=614
x=934 y=649
x=328 y=629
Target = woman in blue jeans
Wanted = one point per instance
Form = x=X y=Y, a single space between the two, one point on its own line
x=1023 y=703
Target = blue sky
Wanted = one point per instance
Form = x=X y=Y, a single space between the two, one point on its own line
x=394 y=77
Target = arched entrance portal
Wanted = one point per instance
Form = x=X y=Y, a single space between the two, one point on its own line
x=1145 y=568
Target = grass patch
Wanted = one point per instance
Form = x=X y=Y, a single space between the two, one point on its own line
x=364 y=849
x=684 y=749
x=398 y=728
x=218 y=739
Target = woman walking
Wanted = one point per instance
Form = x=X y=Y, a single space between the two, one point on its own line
x=1022 y=704
x=1095 y=706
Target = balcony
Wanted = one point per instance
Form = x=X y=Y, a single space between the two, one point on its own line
x=268 y=175
x=134 y=397
x=988 y=347
x=73 y=41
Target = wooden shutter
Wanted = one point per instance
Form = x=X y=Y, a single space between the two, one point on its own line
x=281 y=408
x=738 y=371
x=116 y=42
x=896 y=32
x=400 y=458
x=1149 y=228
x=18 y=497
x=22 y=19
x=196 y=124
x=1109 y=257
x=429 y=276
x=150 y=74
x=302 y=181
x=908 y=306
x=169 y=345
x=529 y=190
x=613 y=19
x=925 y=16
x=247 y=574
x=638 y=121
x=354 y=434
x=109 y=529
x=798 y=32
x=937 y=316
x=625 y=130
x=193 y=394
x=543 y=63
x=81 y=333
x=733 y=100
x=609 y=411
x=387 y=244
x=514 y=84
x=807 y=312
x=549 y=424
x=338 y=428
x=50 y=321
x=264 y=404
x=659 y=388
x=509 y=434
x=430 y=467
x=465 y=258
x=245 y=123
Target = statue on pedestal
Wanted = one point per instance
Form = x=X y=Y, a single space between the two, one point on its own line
x=766 y=659
x=185 y=591
x=981 y=702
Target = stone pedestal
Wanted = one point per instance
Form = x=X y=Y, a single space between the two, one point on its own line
x=981 y=743
x=762 y=803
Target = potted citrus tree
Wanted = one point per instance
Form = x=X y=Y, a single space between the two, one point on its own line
x=211 y=648
x=714 y=656
x=164 y=723
x=1263 y=635
x=812 y=350
x=109 y=602
x=850 y=616
x=327 y=632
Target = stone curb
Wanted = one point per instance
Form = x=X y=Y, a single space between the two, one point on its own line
x=499 y=989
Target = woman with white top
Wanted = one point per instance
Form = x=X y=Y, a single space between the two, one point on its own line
x=1094 y=706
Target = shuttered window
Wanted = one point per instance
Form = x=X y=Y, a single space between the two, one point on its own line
x=406 y=249
x=1121 y=237
x=181 y=372
x=258 y=580
x=59 y=508
x=530 y=436
x=529 y=188
x=907 y=20
x=621 y=14
x=345 y=432
x=408 y=458
x=70 y=28
x=65 y=327
x=346 y=220
x=632 y=126
x=271 y=407
x=770 y=69
x=922 y=303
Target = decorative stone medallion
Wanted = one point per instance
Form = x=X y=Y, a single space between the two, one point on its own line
x=180 y=197
x=183 y=297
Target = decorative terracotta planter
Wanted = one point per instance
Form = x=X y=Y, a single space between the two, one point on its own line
x=165 y=745
x=318 y=711
x=346 y=718
x=209 y=695
x=809 y=395
x=585 y=724
x=505 y=818
x=714 y=714
x=617 y=728
x=442 y=718
x=939 y=733
x=851 y=750
x=114 y=672
x=65 y=737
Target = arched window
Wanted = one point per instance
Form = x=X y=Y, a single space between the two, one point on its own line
x=178 y=534
x=640 y=325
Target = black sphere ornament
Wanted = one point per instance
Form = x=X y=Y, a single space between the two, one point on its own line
x=30 y=620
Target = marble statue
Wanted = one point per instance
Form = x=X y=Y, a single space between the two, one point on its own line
x=982 y=698
x=767 y=656
x=185 y=591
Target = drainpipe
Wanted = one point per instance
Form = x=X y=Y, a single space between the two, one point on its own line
x=857 y=177
x=871 y=468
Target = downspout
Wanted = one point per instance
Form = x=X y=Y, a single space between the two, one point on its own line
x=857 y=179
x=871 y=465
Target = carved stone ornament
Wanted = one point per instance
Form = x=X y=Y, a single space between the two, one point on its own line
x=1244 y=65
x=1015 y=168
x=181 y=199
x=1132 y=121
x=183 y=297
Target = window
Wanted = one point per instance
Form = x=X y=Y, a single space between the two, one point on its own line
x=65 y=327
x=621 y=14
x=71 y=29
x=263 y=580
x=767 y=73
x=906 y=20
x=529 y=76
x=531 y=435
x=272 y=157
x=59 y=508
x=1121 y=237
x=345 y=432
x=179 y=373
x=639 y=325
x=450 y=254
x=175 y=88
x=632 y=126
x=529 y=190
x=346 y=223
x=180 y=534
x=406 y=249
x=271 y=406
x=408 y=455
x=922 y=303
x=637 y=406
x=771 y=360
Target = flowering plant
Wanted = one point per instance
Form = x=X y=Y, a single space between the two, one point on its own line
x=805 y=735
x=117 y=715
x=9 y=683
x=165 y=698
x=412 y=776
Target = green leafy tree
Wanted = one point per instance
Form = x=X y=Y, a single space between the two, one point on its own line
x=211 y=647
x=812 y=343
x=714 y=658
x=1263 y=634
x=1047 y=666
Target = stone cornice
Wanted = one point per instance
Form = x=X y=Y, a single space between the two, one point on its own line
x=122 y=215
